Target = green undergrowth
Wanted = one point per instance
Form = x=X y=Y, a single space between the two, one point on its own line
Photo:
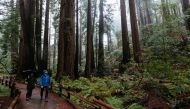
x=113 y=91
x=4 y=91
x=132 y=87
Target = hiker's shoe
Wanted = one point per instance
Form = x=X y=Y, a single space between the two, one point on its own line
x=46 y=100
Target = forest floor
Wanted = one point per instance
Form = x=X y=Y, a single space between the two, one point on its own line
x=54 y=102
x=5 y=102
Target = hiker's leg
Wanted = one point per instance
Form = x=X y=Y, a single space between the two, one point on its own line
x=47 y=91
x=41 y=93
x=27 y=93
x=30 y=93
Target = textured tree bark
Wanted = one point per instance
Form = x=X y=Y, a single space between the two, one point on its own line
x=135 y=32
x=27 y=11
x=89 y=47
x=101 y=38
x=148 y=17
x=125 y=39
x=46 y=34
x=69 y=32
x=61 y=52
x=140 y=13
x=38 y=30
x=54 y=48
x=186 y=7
x=80 y=43
x=76 y=75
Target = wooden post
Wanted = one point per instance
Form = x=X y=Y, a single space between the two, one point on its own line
x=6 y=82
x=13 y=90
x=60 y=89
x=2 y=81
x=51 y=88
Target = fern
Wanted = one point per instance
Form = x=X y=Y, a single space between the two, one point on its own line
x=136 y=106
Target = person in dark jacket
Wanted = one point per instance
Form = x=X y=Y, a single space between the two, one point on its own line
x=45 y=84
x=30 y=85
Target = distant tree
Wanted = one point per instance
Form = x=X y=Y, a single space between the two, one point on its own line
x=147 y=5
x=135 y=32
x=140 y=14
x=80 y=40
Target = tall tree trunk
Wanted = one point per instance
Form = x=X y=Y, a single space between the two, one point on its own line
x=76 y=75
x=27 y=11
x=46 y=30
x=148 y=17
x=108 y=39
x=80 y=41
x=60 y=65
x=49 y=45
x=135 y=32
x=125 y=39
x=89 y=52
x=93 y=28
x=21 y=54
x=38 y=30
x=186 y=7
x=69 y=32
x=54 y=48
x=94 y=17
x=101 y=38
x=96 y=45
x=140 y=13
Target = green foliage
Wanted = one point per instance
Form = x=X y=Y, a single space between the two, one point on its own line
x=98 y=87
x=114 y=101
x=4 y=91
x=136 y=106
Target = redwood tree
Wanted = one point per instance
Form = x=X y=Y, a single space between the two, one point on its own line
x=27 y=10
x=76 y=76
x=186 y=11
x=69 y=33
x=38 y=30
x=60 y=65
x=46 y=30
x=135 y=32
x=89 y=53
x=125 y=39
x=101 y=38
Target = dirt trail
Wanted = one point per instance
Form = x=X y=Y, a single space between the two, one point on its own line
x=54 y=102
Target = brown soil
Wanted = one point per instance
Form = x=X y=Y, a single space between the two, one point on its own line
x=155 y=102
x=151 y=101
x=5 y=102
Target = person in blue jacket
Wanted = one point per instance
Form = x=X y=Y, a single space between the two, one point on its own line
x=45 y=84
